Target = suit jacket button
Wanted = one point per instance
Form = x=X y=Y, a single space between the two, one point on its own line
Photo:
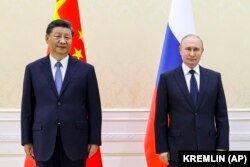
x=196 y=114
x=59 y=103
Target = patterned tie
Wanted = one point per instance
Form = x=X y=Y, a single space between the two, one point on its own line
x=58 y=77
x=193 y=87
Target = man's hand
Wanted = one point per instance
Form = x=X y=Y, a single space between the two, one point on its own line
x=165 y=157
x=28 y=148
x=92 y=148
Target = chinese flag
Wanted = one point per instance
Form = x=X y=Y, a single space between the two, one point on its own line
x=68 y=10
x=180 y=24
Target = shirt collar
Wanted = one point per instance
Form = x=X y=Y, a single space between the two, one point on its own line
x=186 y=69
x=64 y=61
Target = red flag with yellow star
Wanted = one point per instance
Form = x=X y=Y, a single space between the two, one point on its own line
x=68 y=10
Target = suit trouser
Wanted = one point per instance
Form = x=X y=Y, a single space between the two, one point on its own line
x=173 y=164
x=59 y=158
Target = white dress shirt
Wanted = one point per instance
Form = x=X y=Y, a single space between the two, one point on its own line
x=63 y=68
x=187 y=75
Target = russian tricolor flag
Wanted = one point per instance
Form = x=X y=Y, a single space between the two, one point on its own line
x=180 y=23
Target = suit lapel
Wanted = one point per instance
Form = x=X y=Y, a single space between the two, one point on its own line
x=203 y=85
x=46 y=68
x=181 y=81
x=69 y=73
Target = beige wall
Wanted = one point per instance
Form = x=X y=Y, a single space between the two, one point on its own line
x=123 y=40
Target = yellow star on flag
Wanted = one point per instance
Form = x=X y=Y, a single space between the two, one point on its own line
x=59 y=4
x=80 y=35
x=78 y=54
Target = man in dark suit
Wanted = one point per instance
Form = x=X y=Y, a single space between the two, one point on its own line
x=61 y=110
x=193 y=99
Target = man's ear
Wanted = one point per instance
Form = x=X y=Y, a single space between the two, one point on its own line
x=46 y=38
x=202 y=50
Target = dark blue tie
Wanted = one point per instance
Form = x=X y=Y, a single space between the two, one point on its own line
x=193 y=87
x=58 y=77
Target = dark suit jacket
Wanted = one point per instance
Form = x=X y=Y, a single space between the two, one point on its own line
x=203 y=127
x=77 y=109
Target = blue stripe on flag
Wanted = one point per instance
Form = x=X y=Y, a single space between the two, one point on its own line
x=170 y=57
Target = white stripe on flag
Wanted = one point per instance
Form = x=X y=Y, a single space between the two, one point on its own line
x=181 y=20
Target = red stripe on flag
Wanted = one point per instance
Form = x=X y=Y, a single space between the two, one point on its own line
x=152 y=158
x=29 y=162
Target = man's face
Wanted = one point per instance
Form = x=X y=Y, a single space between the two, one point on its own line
x=59 y=41
x=191 y=50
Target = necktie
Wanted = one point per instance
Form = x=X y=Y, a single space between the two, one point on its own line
x=58 y=77
x=193 y=87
